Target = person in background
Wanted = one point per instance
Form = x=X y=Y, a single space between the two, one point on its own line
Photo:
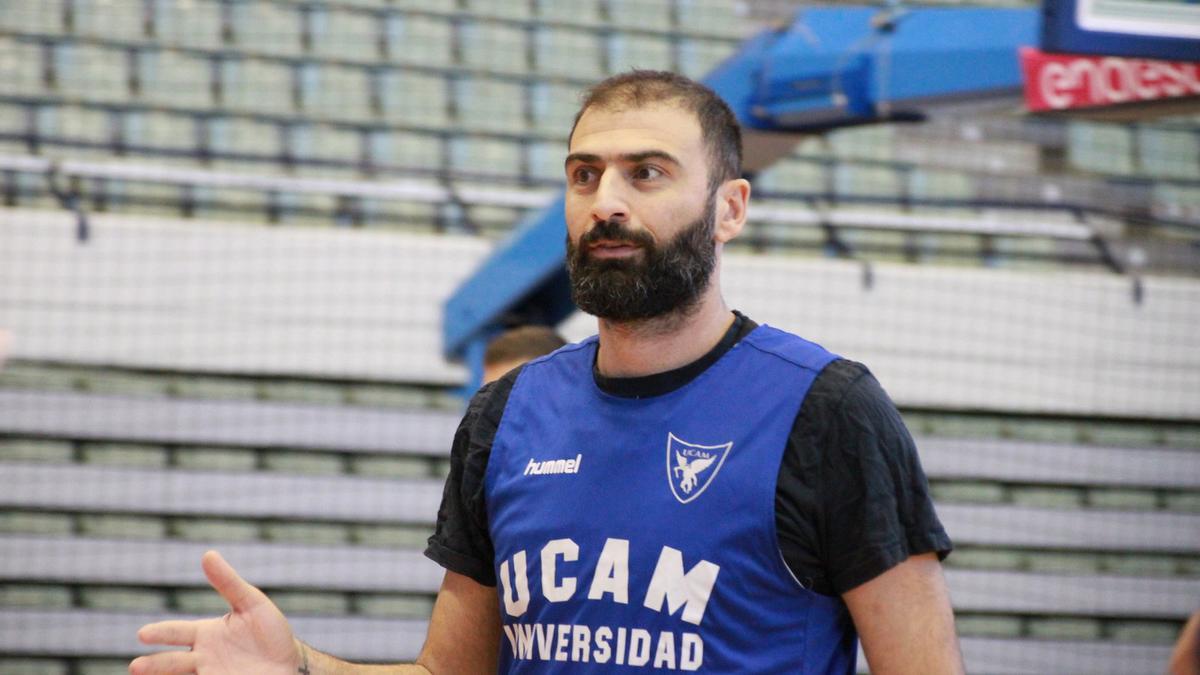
x=515 y=346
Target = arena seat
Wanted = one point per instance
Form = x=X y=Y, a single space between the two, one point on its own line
x=1001 y=157
x=401 y=570
x=553 y=106
x=867 y=180
x=229 y=134
x=987 y=223
x=225 y=422
x=1169 y=153
x=1030 y=657
x=793 y=176
x=585 y=12
x=870 y=142
x=572 y=52
x=257 y=85
x=698 y=56
x=48 y=19
x=246 y=494
x=1059 y=463
x=484 y=157
x=406 y=150
x=176 y=563
x=329 y=91
x=169 y=77
x=404 y=216
x=346 y=35
x=545 y=161
x=929 y=183
x=1107 y=595
x=488 y=104
x=106 y=19
x=326 y=143
x=114 y=634
x=447 y=7
x=412 y=98
x=712 y=17
x=79 y=123
x=640 y=51
x=190 y=24
x=1100 y=147
x=1100 y=529
x=1176 y=201
x=1072 y=529
x=15 y=121
x=419 y=39
x=120 y=490
x=502 y=8
x=495 y=47
x=639 y=15
x=152 y=129
x=267 y=27
x=92 y=72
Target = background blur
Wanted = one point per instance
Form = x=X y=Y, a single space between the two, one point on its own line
x=228 y=228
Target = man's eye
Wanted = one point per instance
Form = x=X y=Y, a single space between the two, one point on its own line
x=583 y=174
x=646 y=173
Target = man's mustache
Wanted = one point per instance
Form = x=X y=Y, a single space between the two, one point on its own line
x=612 y=230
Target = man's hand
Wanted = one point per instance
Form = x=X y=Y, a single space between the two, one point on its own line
x=1185 y=659
x=254 y=637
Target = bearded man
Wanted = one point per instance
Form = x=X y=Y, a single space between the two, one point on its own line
x=686 y=491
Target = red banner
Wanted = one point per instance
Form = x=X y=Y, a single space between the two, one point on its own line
x=1065 y=81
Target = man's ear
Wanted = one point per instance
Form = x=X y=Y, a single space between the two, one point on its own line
x=732 y=199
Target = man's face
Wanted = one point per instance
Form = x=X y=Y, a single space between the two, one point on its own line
x=639 y=213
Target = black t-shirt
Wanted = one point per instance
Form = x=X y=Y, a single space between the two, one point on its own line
x=851 y=499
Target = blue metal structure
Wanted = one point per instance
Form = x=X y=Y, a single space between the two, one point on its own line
x=852 y=65
x=832 y=67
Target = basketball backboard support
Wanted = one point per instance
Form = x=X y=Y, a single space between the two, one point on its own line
x=1156 y=29
x=1115 y=59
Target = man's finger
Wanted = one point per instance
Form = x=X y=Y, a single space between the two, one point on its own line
x=240 y=595
x=164 y=663
x=182 y=633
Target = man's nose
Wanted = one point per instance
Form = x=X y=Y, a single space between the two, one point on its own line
x=609 y=202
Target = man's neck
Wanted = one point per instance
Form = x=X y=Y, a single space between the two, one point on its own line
x=638 y=348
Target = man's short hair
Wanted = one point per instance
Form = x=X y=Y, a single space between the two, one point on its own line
x=522 y=344
x=718 y=125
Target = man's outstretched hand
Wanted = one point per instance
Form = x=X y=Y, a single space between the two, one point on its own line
x=254 y=637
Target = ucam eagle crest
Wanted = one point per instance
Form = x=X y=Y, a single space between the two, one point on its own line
x=691 y=467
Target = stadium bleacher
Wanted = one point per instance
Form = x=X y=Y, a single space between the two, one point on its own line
x=157 y=479
x=201 y=379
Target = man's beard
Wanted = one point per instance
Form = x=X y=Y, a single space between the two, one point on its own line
x=663 y=280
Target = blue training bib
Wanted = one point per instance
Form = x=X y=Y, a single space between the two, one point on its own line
x=639 y=533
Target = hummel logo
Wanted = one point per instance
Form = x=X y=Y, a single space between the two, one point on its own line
x=554 y=466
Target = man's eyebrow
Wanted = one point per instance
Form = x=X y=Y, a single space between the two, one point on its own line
x=584 y=157
x=629 y=157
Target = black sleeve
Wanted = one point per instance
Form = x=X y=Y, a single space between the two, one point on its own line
x=852 y=500
x=461 y=542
